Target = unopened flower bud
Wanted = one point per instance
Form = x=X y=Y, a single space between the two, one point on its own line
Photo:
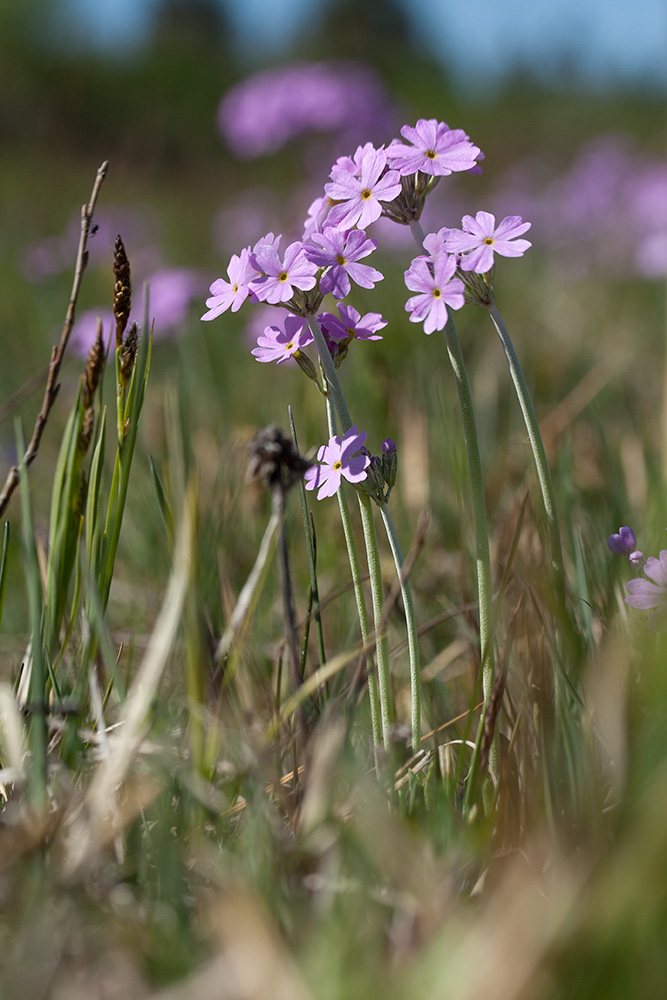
x=373 y=484
x=305 y=364
x=623 y=542
x=389 y=462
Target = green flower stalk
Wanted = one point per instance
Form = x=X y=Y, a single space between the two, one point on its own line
x=537 y=445
x=482 y=557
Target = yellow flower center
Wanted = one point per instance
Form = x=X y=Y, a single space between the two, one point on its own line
x=431 y=154
x=340 y=259
x=338 y=465
x=366 y=194
x=489 y=241
x=436 y=293
x=283 y=276
x=236 y=288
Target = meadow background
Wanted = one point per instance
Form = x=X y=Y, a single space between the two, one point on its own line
x=218 y=879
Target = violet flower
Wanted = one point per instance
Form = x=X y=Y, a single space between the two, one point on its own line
x=623 y=542
x=280 y=344
x=646 y=595
x=351 y=325
x=279 y=278
x=338 y=461
x=437 y=288
x=480 y=238
x=362 y=197
x=233 y=293
x=340 y=251
x=436 y=149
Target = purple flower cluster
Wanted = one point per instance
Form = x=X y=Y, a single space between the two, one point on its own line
x=371 y=184
x=261 y=114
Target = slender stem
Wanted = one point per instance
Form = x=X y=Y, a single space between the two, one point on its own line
x=335 y=392
x=334 y=387
x=411 y=623
x=482 y=556
x=377 y=595
x=362 y=613
x=532 y=426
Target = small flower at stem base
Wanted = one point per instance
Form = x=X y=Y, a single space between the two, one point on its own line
x=339 y=459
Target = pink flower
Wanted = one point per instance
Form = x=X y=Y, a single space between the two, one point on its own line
x=644 y=594
x=437 y=288
x=278 y=278
x=340 y=252
x=233 y=293
x=278 y=345
x=351 y=324
x=480 y=238
x=338 y=461
x=436 y=149
x=361 y=196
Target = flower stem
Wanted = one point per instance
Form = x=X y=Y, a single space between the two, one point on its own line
x=377 y=595
x=532 y=426
x=483 y=560
x=411 y=623
x=362 y=613
x=334 y=387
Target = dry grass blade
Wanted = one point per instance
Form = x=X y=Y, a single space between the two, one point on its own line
x=58 y=352
x=88 y=831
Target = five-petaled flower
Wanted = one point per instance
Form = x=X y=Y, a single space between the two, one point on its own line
x=361 y=195
x=480 y=238
x=338 y=460
x=278 y=278
x=351 y=325
x=436 y=149
x=278 y=345
x=437 y=289
x=233 y=293
x=339 y=251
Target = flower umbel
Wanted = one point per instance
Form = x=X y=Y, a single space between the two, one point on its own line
x=338 y=461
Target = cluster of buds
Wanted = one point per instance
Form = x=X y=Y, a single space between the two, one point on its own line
x=380 y=473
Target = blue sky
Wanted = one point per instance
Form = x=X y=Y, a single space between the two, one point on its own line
x=608 y=40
